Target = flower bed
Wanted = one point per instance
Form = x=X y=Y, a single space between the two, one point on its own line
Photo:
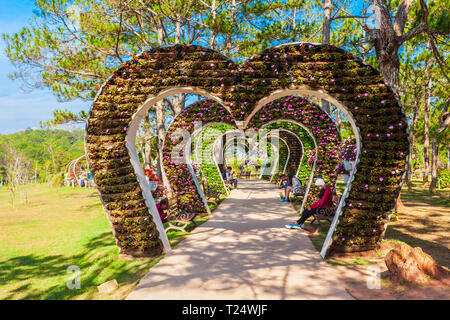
x=347 y=153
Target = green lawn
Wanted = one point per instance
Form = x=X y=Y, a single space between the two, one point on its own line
x=423 y=222
x=60 y=227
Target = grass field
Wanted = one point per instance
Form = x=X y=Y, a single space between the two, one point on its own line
x=422 y=222
x=60 y=227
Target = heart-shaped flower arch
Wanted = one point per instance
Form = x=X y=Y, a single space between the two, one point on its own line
x=243 y=89
x=295 y=111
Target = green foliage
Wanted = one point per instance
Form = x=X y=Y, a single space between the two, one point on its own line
x=444 y=178
x=57 y=180
x=73 y=46
x=204 y=144
x=46 y=151
x=61 y=117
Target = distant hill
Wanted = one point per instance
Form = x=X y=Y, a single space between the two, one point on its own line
x=47 y=150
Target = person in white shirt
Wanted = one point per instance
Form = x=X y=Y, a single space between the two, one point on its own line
x=295 y=187
x=229 y=176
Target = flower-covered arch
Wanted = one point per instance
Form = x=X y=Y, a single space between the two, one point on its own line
x=243 y=90
x=307 y=140
x=294 y=111
x=316 y=122
x=295 y=150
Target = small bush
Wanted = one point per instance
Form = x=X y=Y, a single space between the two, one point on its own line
x=444 y=178
x=57 y=180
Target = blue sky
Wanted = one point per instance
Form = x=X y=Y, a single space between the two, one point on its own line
x=18 y=109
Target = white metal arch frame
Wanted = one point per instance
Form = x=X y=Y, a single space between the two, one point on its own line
x=288 y=156
x=218 y=153
x=278 y=161
x=301 y=144
x=311 y=177
x=214 y=156
x=276 y=157
x=134 y=159
x=71 y=167
x=325 y=96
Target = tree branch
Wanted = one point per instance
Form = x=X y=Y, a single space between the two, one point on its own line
x=402 y=16
x=437 y=55
x=444 y=122
x=349 y=17
x=423 y=26
x=118 y=38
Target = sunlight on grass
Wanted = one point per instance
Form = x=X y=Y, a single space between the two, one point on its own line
x=60 y=227
x=409 y=228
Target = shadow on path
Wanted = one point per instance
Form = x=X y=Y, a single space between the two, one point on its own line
x=244 y=252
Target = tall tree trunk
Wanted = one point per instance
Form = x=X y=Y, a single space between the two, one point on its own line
x=326 y=29
x=294 y=25
x=148 y=152
x=426 y=128
x=434 y=159
x=448 y=158
x=338 y=120
x=228 y=39
x=160 y=115
x=389 y=69
x=177 y=29
x=444 y=122
x=160 y=32
x=178 y=103
x=147 y=145
x=212 y=38
x=411 y=147
x=386 y=43
x=161 y=133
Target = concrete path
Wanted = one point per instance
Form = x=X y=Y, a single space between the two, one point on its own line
x=244 y=252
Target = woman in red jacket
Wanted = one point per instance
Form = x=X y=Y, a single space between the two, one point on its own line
x=325 y=200
x=161 y=207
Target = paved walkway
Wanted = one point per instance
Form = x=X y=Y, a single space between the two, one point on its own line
x=244 y=252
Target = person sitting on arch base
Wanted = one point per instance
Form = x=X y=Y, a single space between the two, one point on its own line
x=325 y=200
x=294 y=187
x=228 y=175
